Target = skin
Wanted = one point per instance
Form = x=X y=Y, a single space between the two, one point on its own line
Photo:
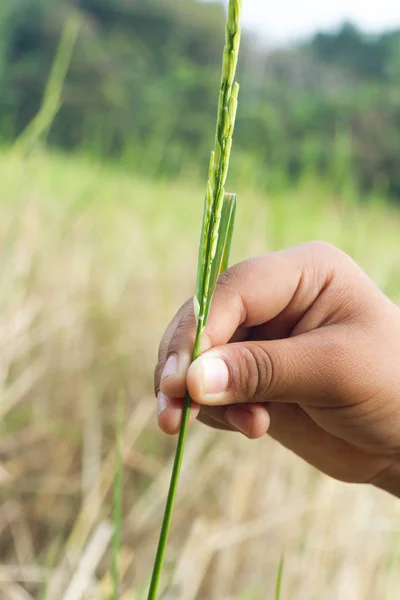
x=300 y=344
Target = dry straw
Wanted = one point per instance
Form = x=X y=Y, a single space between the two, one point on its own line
x=215 y=242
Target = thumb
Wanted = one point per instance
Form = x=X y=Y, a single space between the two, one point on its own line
x=309 y=367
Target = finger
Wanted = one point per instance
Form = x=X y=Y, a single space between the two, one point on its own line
x=314 y=367
x=262 y=288
x=210 y=421
x=253 y=421
x=179 y=363
x=250 y=420
x=249 y=294
x=171 y=373
x=170 y=411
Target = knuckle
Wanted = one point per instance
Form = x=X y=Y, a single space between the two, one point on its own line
x=255 y=372
x=163 y=348
x=233 y=277
x=180 y=332
x=340 y=371
x=185 y=332
x=322 y=247
x=229 y=283
x=186 y=326
x=185 y=310
x=185 y=315
x=225 y=283
x=322 y=259
x=326 y=253
x=157 y=376
x=228 y=277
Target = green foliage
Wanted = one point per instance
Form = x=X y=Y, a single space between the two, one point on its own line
x=38 y=129
x=141 y=89
x=350 y=49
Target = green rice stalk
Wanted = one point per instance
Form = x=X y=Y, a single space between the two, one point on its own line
x=215 y=243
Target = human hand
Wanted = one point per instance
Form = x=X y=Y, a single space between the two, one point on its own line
x=300 y=344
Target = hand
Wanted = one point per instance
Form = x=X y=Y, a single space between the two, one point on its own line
x=300 y=344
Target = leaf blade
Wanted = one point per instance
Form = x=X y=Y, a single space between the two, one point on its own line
x=228 y=242
x=279 y=579
x=224 y=243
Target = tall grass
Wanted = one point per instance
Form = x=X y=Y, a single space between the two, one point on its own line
x=37 y=130
x=86 y=290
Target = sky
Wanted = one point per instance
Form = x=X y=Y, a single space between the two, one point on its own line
x=281 y=21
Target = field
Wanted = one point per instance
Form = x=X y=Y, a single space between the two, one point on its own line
x=94 y=262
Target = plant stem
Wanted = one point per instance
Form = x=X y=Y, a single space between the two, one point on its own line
x=215 y=242
x=162 y=544
x=159 y=560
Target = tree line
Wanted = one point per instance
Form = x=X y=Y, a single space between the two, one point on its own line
x=142 y=87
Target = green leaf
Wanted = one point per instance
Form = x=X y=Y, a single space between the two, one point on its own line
x=228 y=242
x=224 y=243
x=278 y=588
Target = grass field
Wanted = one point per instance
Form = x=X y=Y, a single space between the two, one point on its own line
x=94 y=262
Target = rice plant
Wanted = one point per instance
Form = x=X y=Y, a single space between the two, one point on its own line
x=215 y=242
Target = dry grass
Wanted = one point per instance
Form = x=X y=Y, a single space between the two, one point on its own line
x=93 y=264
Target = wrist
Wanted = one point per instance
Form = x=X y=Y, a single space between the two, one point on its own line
x=389 y=480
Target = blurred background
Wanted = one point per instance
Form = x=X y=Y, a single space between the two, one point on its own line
x=107 y=116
